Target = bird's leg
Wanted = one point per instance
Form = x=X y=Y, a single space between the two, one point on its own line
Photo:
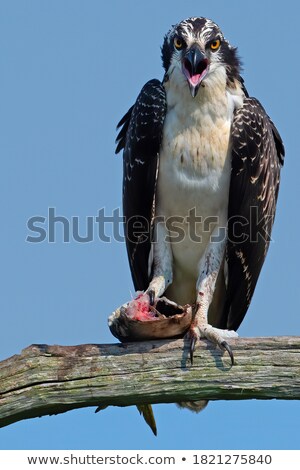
x=209 y=267
x=162 y=273
x=160 y=265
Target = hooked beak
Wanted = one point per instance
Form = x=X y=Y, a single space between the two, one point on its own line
x=195 y=68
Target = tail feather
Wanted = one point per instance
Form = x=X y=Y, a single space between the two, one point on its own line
x=147 y=412
x=195 y=406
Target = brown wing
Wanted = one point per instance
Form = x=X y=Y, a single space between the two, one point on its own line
x=257 y=157
x=140 y=136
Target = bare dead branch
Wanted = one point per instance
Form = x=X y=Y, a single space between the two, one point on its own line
x=45 y=380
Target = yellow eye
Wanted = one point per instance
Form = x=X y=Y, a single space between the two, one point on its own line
x=215 y=44
x=178 y=43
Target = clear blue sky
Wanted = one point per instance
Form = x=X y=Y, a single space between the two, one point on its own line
x=69 y=70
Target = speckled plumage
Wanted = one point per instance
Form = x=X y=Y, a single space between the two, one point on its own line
x=219 y=153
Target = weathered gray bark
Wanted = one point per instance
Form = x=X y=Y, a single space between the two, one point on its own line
x=53 y=379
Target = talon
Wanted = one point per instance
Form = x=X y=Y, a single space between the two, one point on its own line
x=151 y=294
x=226 y=346
x=192 y=347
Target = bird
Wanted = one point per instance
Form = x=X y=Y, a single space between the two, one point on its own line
x=201 y=175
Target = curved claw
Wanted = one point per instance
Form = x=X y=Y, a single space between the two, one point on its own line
x=226 y=346
x=151 y=294
x=192 y=347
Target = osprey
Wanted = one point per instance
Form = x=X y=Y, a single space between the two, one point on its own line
x=202 y=163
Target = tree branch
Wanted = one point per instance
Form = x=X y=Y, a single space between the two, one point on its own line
x=46 y=380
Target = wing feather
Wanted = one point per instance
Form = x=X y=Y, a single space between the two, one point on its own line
x=140 y=136
x=257 y=157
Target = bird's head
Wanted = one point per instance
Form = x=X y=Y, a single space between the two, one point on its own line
x=194 y=50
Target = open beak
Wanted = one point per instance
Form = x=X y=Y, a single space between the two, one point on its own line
x=194 y=67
